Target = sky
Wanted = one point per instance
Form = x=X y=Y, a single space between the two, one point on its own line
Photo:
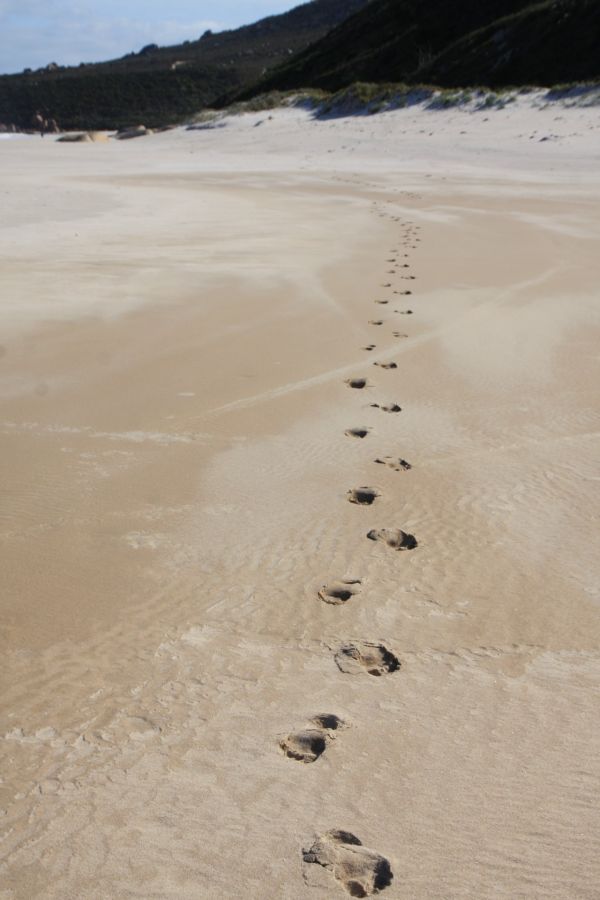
x=34 y=33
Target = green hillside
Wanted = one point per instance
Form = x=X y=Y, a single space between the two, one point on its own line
x=547 y=43
x=467 y=42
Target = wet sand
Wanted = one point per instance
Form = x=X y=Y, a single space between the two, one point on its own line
x=207 y=664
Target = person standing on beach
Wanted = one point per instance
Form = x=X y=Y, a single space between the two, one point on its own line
x=39 y=123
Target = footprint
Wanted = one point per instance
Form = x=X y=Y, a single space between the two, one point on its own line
x=370 y=347
x=369 y=656
x=360 y=432
x=389 y=407
x=329 y=721
x=390 y=365
x=360 y=870
x=394 y=463
x=358 y=383
x=375 y=321
x=308 y=744
x=382 y=302
x=394 y=538
x=365 y=496
x=338 y=592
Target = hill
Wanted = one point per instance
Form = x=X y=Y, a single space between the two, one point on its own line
x=546 y=44
x=161 y=85
x=468 y=42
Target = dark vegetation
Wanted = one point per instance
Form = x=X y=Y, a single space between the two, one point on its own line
x=546 y=44
x=466 y=42
x=159 y=86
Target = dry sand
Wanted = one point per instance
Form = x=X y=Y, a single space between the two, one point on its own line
x=184 y=715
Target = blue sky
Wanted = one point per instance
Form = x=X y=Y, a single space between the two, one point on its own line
x=36 y=32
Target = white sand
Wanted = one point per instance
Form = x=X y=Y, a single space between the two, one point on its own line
x=180 y=314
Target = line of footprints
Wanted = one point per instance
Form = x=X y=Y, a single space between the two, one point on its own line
x=360 y=870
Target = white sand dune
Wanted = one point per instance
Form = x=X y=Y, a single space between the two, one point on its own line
x=214 y=684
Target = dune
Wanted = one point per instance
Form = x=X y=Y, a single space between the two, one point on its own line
x=261 y=638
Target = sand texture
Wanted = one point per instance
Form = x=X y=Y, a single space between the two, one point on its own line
x=299 y=524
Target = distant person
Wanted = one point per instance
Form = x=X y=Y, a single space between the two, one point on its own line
x=39 y=123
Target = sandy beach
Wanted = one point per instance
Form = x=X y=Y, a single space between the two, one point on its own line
x=299 y=426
